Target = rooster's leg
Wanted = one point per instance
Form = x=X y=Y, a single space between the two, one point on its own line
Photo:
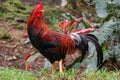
x=60 y=66
x=53 y=67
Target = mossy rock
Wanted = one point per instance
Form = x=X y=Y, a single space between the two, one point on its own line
x=4 y=34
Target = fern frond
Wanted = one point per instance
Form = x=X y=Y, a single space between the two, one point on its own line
x=104 y=31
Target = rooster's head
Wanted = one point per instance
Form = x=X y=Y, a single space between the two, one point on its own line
x=38 y=10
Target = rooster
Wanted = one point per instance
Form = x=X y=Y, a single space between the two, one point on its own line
x=53 y=45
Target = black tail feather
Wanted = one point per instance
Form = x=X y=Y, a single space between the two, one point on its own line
x=94 y=40
x=83 y=46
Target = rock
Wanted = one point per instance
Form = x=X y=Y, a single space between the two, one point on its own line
x=21 y=20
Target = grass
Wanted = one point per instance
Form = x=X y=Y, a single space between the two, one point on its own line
x=101 y=75
x=14 y=74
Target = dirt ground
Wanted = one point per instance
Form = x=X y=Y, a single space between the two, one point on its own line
x=13 y=50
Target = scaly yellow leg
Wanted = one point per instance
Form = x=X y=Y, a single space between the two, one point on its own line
x=53 y=68
x=61 y=67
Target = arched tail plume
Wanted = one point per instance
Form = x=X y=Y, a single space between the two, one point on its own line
x=94 y=40
x=81 y=42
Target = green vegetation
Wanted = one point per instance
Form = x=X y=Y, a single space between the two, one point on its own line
x=15 y=13
x=13 y=74
x=101 y=75
x=14 y=9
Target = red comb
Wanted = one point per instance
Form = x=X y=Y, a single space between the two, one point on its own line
x=40 y=6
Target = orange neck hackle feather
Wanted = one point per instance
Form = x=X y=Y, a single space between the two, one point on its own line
x=37 y=22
